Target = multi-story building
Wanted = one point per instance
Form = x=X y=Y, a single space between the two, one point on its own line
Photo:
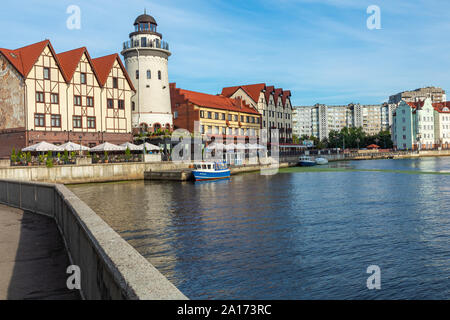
x=62 y=97
x=437 y=95
x=320 y=120
x=214 y=116
x=146 y=58
x=302 y=121
x=273 y=104
x=421 y=125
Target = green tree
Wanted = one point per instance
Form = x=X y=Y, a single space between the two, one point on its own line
x=13 y=156
x=29 y=157
x=127 y=154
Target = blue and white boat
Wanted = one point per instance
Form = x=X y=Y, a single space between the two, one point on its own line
x=306 y=161
x=211 y=171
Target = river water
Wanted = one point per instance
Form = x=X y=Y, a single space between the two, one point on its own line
x=296 y=235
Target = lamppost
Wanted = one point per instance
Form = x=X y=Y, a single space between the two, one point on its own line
x=81 y=137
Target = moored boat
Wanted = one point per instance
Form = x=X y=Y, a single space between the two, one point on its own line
x=211 y=171
x=321 y=161
x=306 y=161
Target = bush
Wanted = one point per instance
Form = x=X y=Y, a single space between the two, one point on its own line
x=106 y=155
x=29 y=157
x=41 y=159
x=127 y=154
x=13 y=156
x=49 y=163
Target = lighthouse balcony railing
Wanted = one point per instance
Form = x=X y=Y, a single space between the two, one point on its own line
x=146 y=44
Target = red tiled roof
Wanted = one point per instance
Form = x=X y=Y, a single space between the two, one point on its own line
x=277 y=95
x=253 y=90
x=23 y=59
x=216 y=102
x=286 y=94
x=69 y=61
x=416 y=105
x=103 y=65
x=439 y=107
x=269 y=91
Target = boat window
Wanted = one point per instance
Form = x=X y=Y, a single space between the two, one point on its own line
x=204 y=166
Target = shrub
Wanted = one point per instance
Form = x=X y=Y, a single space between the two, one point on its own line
x=127 y=154
x=29 y=157
x=13 y=155
x=106 y=155
x=49 y=163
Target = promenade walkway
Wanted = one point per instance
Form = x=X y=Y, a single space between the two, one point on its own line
x=33 y=259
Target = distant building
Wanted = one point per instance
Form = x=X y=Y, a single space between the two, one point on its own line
x=422 y=125
x=62 y=97
x=273 y=104
x=146 y=58
x=215 y=115
x=436 y=95
x=320 y=120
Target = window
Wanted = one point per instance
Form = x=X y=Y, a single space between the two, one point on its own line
x=110 y=103
x=248 y=119
x=202 y=114
x=115 y=83
x=77 y=122
x=216 y=115
x=90 y=101
x=47 y=73
x=175 y=115
x=143 y=42
x=137 y=74
x=83 y=78
x=54 y=98
x=159 y=75
x=202 y=129
x=242 y=118
x=133 y=106
x=56 y=121
x=235 y=118
x=121 y=104
x=230 y=117
x=149 y=74
x=209 y=115
x=40 y=97
x=39 y=120
x=77 y=100
x=91 y=122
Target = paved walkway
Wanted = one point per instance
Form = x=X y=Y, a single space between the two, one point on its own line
x=33 y=259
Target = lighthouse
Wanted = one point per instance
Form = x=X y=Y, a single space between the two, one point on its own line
x=146 y=58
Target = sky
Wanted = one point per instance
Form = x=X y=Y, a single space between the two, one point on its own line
x=321 y=50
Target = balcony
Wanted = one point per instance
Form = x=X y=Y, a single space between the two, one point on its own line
x=157 y=44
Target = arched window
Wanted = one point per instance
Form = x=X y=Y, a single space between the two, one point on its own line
x=149 y=74
x=159 y=75
x=156 y=127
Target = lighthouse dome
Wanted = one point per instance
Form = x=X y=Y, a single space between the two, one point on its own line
x=145 y=18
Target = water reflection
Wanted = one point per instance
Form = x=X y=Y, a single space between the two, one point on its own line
x=293 y=235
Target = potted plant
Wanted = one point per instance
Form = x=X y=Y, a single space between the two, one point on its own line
x=106 y=157
x=127 y=154
x=29 y=158
x=41 y=159
x=73 y=157
x=14 y=156
x=66 y=157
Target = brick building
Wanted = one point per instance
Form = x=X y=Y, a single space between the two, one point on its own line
x=215 y=115
x=63 y=97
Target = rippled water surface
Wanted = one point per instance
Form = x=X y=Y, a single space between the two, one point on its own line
x=295 y=235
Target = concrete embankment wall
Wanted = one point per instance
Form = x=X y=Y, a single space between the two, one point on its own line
x=110 y=267
x=73 y=174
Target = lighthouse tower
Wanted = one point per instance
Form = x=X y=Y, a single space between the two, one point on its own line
x=146 y=58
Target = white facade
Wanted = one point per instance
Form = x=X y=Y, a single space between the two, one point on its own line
x=146 y=59
x=320 y=120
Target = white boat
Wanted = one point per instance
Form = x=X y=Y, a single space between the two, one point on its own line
x=211 y=171
x=306 y=161
x=321 y=161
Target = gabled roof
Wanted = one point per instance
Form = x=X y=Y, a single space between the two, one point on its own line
x=104 y=65
x=439 y=107
x=253 y=90
x=23 y=59
x=278 y=94
x=416 y=105
x=216 y=102
x=269 y=91
x=69 y=61
x=286 y=95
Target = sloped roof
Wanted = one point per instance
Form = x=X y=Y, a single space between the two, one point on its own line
x=69 y=61
x=269 y=90
x=253 y=90
x=286 y=95
x=439 y=107
x=103 y=66
x=23 y=59
x=278 y=95
x=216 y=102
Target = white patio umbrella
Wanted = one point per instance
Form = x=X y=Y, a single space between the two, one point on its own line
x=42 y=147
x=131 y=146
x=107 y=147
x=149 y=147
x=71 y=146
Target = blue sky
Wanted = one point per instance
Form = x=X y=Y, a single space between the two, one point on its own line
x=321 y=50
